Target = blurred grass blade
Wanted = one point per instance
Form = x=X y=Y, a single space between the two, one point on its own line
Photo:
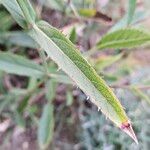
x=131 y=17
x=73 y=35
x=69 y=98
x=138 y=16
x=27 y=10
x=18 y=65
x=54 y=4
x=131 y=10
x=13 y=7
x=6 y=21
x=61 y=78
x=6 y=101
x=51 y=87
x=105 y=61
x=62 y=51
x=46 y=126
x=17 y=38
x=141 y=94
x=124 y=38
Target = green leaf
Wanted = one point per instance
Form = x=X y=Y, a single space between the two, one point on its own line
x=105 y=61
x=23 y=104
x=69 y=98
x=5 y=101
x=19 y=120
x=32 y=84
x=46 y=126
x=73 y=35
x=17 y=38
x=61 y=78
x=138 y=16
x=51 y=90
x=18 y=65
x=13 y=7
x=27 y=10
x=55 y=4
x=131 y=17
x=63 y=52
x=131 y=10
x=6 y=21
x=140 y=94
x=124 y=38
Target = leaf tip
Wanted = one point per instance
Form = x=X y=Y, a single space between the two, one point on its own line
x=127 y=128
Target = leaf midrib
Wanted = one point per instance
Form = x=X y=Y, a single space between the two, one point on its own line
x=108 y=43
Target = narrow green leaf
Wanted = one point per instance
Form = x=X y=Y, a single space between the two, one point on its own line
x=27 y=10
x=32 y=84
x=69 y=98
x=138 y=16
x=131 y=10
x=140 y=94
x=62 y=51
x=131 y=17
x=18 y=65
x=55 y=4
x=46 y=126
x=73 y=36
x=13 y=7
x=17 y=38
x=61 y=78
x=105 y=61
x=51 y=90
x=124 y=38
x=23 y=104
x=18 y=119
x=6 y=21
x=5 y=101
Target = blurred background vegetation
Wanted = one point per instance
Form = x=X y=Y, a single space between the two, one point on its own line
x=51 y=111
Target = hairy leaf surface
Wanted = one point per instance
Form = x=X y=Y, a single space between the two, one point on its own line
x=63 y=52
x=124 y=38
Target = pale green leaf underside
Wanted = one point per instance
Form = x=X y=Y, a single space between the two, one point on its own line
x=63 y=52
x=17 y=38
x=19 y=65
x=124 y=38
x=46 y=126
x=131 y=10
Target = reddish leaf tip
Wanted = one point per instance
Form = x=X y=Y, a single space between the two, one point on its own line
x=127 y=128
